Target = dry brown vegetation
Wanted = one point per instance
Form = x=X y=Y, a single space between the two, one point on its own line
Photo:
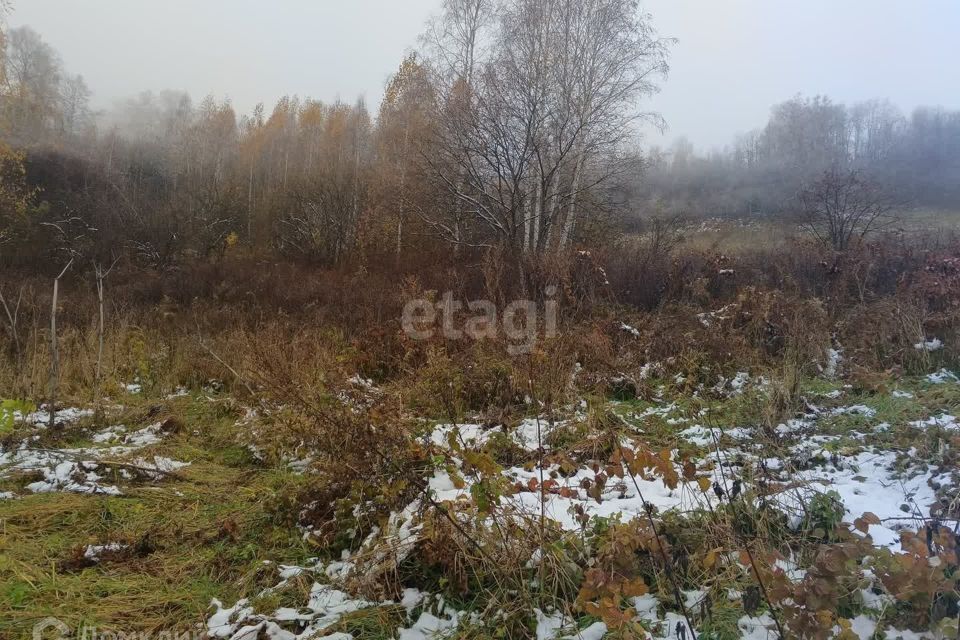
x=235 y=287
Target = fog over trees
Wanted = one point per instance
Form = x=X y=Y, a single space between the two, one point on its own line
x=916 y=157
x=479 y=359
x=514 y=125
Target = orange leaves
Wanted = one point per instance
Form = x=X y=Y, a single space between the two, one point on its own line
x=635 y=588
x=455 y=478
x=603 y=593
x=616 y=577
x=549 y=486
x=641 y=460
x=863 y=522
x=594 y=488
x=926 y=567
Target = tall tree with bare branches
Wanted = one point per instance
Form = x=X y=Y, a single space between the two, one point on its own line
x=540 y=117
x=842 y=207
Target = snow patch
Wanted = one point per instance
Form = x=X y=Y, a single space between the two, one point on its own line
x=933 y=344
x=942 y=377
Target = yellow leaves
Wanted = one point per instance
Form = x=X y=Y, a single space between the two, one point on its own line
x=825 y=618
x=710 y=559
x=704 y=483
x=635 y=588
x=603 y=594
x=481 y=462
x=452 y=441
x=455 y=478
x=15 y=196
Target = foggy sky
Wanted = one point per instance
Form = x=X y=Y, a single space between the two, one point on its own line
x=734 y=58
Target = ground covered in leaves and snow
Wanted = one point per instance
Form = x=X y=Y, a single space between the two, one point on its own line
x=176 y=502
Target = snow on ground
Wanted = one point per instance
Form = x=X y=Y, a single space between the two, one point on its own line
x=619 y=497
x=39 y=418
x=94 y=551
x=532 y=433
x=325 y=607
x=855 y=410
x=631 y=330
x=428 y=616
x=708 y=437
x=933 y=344
x=64 y=475
x=942 y=377
x=159 y=464
x=81 y=469
x=890 y=484
x=872 y=480
x=943 y=421
x=834 y=358
x=529 y=435
x=869 y=482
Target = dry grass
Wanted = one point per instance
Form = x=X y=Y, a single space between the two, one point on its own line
x=289 y=351
x=203 y=534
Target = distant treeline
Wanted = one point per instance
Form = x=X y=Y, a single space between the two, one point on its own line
x=504 y=132
x=916 y=158
x=511 y=129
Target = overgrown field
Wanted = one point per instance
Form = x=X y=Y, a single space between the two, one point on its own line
x=750 y=446
x=171 y=516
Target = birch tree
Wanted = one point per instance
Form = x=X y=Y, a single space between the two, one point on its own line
x=404 y=121
x=540 y=119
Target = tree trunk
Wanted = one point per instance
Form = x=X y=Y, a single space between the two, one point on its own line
x=100 y=331
x=571 y=218
x=250 y=204
x=54 y=349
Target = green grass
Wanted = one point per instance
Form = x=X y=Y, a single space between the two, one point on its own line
x=202 y=535
x=374 y=623
x=219 y=528
x=742 y=237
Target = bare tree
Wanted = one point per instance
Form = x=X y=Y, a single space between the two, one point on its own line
x=541 y=120
x=55 y=348
x=100 y=274
x=75 y=114
x=457 y=40
x=12 y=312
x=843 y=207
x=32 y=83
